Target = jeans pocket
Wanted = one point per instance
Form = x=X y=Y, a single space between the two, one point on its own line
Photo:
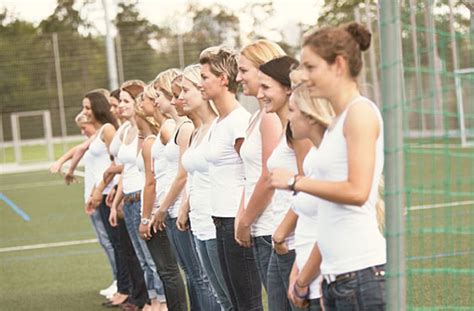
x=344 y=289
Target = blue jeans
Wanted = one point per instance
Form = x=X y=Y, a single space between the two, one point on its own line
x=168 y=270
x=238 y=267
x=207 y=251
x=104 y=240
x=278 y=280
x=359 y=290
x=262 y=250
x=154 y=285
x=200 y=291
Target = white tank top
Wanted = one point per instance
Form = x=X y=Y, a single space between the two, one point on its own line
x=199 y=189
x=171 y=152
x=88 y=174
x=159 y=168
x=101 y=159
x=282 y=157
x=116 y=141
x=132 y=179
x=141 y=168
x=226 y=170
x=306 y=231
x=349 y=238
x=251 y=154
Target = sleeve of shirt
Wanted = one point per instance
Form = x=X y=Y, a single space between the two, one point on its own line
x=239 y=124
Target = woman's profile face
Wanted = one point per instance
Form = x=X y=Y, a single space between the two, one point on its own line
x=299 y=122
x=191 y=96
x=318 y=75
x=126 y=105
x=210 y=83
x=163 y=103
x=247 y=76
x=87 y=108
x=148 y=106
x=271 y=93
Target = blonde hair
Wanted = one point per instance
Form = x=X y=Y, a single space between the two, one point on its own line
x=222 y=61
x=81 y=119
x=192 y=73
x=164 y=81
x=154 y=126
x=102 y=91
x=150 y=91
x=261 y=51
x=317 y=109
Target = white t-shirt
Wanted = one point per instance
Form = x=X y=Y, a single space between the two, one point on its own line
x=226 y=170
x=349 y=238
x=251 y=154
x=141 y=169
x=116 y=141
x=282 y=157
x=199 y=189
x=306 y=231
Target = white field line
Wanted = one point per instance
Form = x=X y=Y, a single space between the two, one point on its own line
x=436 y=146
x=32 y=185
x=439 y=205
x=46 y=245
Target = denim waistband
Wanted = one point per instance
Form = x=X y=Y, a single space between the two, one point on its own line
x=336 y=278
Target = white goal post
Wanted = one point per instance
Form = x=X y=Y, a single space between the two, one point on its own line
x=16 y=135
x=460 y=105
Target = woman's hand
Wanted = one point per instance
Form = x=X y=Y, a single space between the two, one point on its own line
x=109 y=200
x=55 y=167
x=113 y=216
x=69 y=178
x=242 y=235
x=281 y=248
x=279 y=178
x=145 y=231
x=159 y=220
x=183 y=220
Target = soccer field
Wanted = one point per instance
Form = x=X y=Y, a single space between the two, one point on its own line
x=439 y=243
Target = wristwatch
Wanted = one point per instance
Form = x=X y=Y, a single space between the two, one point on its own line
x=145 y=221
x=291 y=183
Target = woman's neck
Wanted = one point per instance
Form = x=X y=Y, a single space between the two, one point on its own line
x=316 y=134
x=225 y=103
x=283 y=114
x=340 y=100
x=195 y=119
x=160 y=118
x=205 y=114
x=146 y=131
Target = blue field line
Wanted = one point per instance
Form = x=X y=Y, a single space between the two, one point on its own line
x=15 y=208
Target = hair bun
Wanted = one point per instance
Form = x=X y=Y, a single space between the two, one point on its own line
x=360 y=34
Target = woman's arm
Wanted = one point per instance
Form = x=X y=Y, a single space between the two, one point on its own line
x=179 y=181
x=270 y=131
x=78 y=154
x=56 y=166
x=361 y=130
x=284 y=229
x=149 y=192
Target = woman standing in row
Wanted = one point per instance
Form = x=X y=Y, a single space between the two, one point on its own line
x=199 y=197
x=226 y=172
x=350 y=252
x=275 y=90
x=130 y=186
x=255 y=218
x=157 y=240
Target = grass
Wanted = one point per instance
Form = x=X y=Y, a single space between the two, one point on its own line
x=34 y=153
x=439 y=243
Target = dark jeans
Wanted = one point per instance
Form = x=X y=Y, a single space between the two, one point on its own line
x=123 y=273
x=315 y=305
x=238 y=267
x=262 y=251
x=360 y=290
x=278 y=281
x=168 y=270
x=200 y=290
x=138 y=292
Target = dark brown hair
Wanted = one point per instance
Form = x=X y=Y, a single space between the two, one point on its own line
x=347 y=40
x=101 y=108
